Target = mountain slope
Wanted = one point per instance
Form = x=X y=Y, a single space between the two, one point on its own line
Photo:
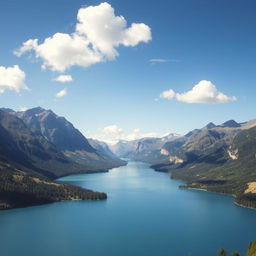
x=21 y=147
x=202 y=145
x=228 y=165
x=102 y=147
x=67 y=139
x=144 y=149
x=56 y=129
x=28 y=163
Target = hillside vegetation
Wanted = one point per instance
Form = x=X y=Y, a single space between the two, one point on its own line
x=213 y=169
x=19 y=189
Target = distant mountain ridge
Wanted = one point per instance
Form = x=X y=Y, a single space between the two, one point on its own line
x=219 y=158
x=144 y=149
x=102 y=147
x=196 y=142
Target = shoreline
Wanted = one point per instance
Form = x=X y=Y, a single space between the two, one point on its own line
x=214 y=192
x=185 y=186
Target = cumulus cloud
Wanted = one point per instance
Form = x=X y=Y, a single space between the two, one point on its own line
x=169 y=94
x=203 y=92
x=113 y=133
x=113 y=130
x=64 y=78
x=97 y=35
x=137 y=134
x=61 y=93
x=12 y=78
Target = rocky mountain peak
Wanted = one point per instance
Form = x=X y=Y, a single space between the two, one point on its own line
x=231 y=123
x=210 y=125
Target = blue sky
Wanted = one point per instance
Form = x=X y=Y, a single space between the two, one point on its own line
x=197 y=40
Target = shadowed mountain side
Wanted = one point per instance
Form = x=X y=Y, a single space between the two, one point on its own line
x=21 y=147
x=69 y=140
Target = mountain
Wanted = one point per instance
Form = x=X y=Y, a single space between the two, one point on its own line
x=210 y=125
x=22 y=147
x=144 y=149
x=200 y=143
x=208 y=144
x=231 y=123
x=101 y=147
x=221 y=159
x=29 y=163
x=75 y=146
x=55 y=128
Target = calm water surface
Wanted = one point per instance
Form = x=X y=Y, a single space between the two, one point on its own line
x=145 y=214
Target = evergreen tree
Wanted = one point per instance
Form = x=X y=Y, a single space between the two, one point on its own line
x=222 y=252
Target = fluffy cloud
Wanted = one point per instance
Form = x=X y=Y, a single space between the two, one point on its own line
x=62 y=51
x=98 y=33
x=113 y=130
x=12 y=78
x=61 y=93
x=113 y=133
x=203 y=92
x=169 y=94
x=64 y=78
x=137 y=134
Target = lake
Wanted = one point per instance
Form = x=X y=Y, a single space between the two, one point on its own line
x=145 y=214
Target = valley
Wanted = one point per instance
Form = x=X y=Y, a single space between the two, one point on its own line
x=216 y=158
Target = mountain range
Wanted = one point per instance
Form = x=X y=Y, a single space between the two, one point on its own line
x=144 y=149
x=218 y=158
x=36 y=147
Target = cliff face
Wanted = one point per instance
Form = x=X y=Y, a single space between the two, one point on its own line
x=22 y=147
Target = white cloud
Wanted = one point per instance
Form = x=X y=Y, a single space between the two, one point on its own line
x=137 y=134
x=113 y=130
x=169 y=94
x=113 y=133
x=203 y=92
x=26 y=46
x=153 y=61
x=98 y=33
x=12 y=78
x=61 y=93
x=61 y=51
x=23 y=109
x=64 y=78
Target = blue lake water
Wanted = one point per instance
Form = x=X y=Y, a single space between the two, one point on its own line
x=145 y=214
